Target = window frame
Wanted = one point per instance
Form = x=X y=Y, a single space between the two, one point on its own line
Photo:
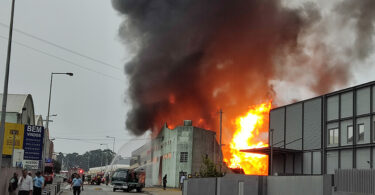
x=359 y=133
x=349 y=139
x=184 y=156
x=335 y=131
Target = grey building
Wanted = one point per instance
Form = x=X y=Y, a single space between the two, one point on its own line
x=180 y=151
x=20 y=109
x=319 y=135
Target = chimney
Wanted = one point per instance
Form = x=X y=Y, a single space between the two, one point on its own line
x=188 y=123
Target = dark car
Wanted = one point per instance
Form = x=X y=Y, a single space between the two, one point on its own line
x=126 y=180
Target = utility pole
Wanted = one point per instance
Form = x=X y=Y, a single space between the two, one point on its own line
x=221 y=121
x=6 y=79
x=271 y=145
x=14 y=133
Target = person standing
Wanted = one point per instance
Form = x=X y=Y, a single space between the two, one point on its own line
x=77 y=184
x=13 y=184
x=38 y=183
x=182 y=182
x=25 y=183
x=165 y=181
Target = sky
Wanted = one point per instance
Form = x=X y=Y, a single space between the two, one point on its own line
x=89 y=105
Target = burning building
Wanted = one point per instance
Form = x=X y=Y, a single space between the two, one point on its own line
x=192 y=58
x=325 y=133
x=180 y=151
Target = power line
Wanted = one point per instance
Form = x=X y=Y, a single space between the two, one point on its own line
x=63 y=48
x=96 y=139
x=62 y=59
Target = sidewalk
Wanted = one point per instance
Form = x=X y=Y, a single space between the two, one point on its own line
x=160 y=191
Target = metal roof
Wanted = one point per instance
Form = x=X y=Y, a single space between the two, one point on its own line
x=15 y=102
x=267 y=150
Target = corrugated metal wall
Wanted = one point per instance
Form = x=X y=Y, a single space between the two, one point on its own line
x=363 y=158
x=355 y=180
x=363 y=101
x=277 y=124
x=347 y=104
x=294 y=126
x=317 y=163
x=346 y=159
x=332 y=107
x=332 y=161
x=312 y=124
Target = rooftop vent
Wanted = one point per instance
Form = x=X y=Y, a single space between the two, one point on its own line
x=188 y=123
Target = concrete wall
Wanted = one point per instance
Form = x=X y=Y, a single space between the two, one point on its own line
x=204 y=144
x=6 y=174
x=235 y=184
x=230 y=184
x=297 y=185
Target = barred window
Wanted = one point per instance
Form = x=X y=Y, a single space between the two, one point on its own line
x=183 y=157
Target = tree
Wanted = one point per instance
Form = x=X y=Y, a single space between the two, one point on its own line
x=93 y=158
x=56 y=166
x=209 y=169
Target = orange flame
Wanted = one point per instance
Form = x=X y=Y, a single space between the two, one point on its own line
x=248 y=134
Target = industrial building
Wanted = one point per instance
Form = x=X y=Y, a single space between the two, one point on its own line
x=180 y=151
x=174 y=152
x=325 y=133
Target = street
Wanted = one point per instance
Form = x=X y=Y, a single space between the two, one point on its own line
x=98 y=190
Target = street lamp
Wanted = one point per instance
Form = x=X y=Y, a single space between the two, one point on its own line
x=50 y=91
x=114 y=141
x=101 y=159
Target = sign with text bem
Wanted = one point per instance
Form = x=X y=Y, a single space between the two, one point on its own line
x=30 y=164
x=33 y=142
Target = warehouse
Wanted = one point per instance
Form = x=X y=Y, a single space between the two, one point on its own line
x=180 y=151
x=318 y=135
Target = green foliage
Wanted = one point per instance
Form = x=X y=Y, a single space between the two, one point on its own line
x=56 y=166
x=209 y=168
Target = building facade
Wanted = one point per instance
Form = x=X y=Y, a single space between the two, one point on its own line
x=20 y=109
x=319 y=135
x=180 y=151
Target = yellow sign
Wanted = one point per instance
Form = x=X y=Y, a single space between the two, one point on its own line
x=13 y=129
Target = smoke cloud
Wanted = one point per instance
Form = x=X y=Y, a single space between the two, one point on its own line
x=193 y=57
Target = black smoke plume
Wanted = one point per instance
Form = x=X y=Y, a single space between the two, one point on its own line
x=192 y=57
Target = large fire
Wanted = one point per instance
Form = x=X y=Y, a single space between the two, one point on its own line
x=247 y=135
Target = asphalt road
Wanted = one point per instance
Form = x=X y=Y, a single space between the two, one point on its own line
x=99 y=190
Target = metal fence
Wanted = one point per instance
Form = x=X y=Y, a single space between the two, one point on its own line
x=355 y=180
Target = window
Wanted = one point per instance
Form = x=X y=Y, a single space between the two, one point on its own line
x=183 y=157
x=361 y=132
x=333 y=136
x=350 y=134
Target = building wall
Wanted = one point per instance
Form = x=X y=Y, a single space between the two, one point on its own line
x=167 y=148
x=179 y=151
x=11 y=117
x=27 y=116
x=330 y=127
x=204 y=144
x=293 y=130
